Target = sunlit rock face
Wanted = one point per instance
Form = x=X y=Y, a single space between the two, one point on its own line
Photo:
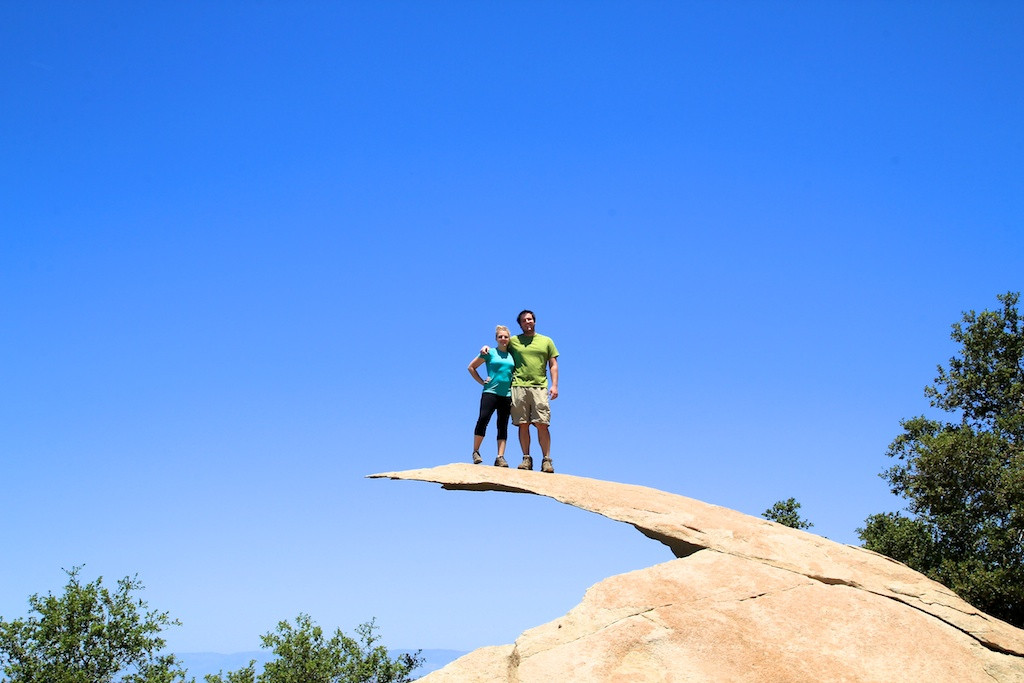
x=745 y=600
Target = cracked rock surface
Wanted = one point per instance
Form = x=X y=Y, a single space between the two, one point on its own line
x=745 y=600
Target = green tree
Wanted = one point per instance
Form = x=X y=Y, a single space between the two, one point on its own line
x=786 y=512
x=244 y=675
x=88 y=635
x=964 y=479
x=304 y=655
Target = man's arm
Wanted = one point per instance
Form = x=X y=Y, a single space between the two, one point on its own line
x=553 y=367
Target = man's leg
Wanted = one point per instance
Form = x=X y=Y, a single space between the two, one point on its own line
x=520 y=412
x=544 y=439
x=524 y=438
x=521 y=405
x=543 y=420
x=524 y=441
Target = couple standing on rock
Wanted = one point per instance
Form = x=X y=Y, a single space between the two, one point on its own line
x=517 y=384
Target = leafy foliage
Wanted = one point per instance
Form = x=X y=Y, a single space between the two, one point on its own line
x=88 y=635
x=964 y=480
x=304 y=655
x=786 y=512
x=244 y=675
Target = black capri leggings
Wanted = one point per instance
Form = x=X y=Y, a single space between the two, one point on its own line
x=488 y=404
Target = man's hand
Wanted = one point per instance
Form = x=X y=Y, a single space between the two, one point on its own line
x=484 y=350
x=553 y=393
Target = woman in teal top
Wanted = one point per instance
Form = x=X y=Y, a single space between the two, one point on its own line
x=497 y=394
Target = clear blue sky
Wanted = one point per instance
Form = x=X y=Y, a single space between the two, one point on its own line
x=248 y=249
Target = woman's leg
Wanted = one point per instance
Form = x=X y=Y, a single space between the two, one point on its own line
x=488 y=404
x=504 y=406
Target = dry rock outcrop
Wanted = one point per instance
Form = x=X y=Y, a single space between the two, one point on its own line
x=746 y=600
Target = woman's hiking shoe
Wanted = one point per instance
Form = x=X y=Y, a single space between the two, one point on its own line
x=500 y=461
x=526 y=464
x=476 y=458
x=546 y=466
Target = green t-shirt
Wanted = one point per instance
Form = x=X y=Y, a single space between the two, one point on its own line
x=531 y=355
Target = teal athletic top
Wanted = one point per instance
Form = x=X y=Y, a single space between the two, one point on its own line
x=499 y=368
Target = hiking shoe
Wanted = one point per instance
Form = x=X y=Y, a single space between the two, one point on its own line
x=500 y=461
x=527 y=463
x=476 y=458
x=546 y=466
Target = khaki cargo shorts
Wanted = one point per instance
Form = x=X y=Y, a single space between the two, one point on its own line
x=530 y=405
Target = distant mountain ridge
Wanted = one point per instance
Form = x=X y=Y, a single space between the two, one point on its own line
x=199 y=664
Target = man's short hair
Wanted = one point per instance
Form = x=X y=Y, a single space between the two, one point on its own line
x=519 y=318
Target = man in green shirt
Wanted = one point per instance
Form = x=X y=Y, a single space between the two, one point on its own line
x=535 y=355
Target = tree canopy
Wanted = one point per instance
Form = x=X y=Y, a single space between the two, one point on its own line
x=88 y=635
x=964 y=478
x=787 y=513
x=305 y=655
x=92 y=635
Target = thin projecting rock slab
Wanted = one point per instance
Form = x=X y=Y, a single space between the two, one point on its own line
x=748 y=599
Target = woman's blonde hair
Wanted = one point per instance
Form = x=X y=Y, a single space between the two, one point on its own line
x=499 y=328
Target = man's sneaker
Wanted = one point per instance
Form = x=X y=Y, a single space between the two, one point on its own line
x=476 y=458
x=546 y=466
x=500 y=461
x=527 y=463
